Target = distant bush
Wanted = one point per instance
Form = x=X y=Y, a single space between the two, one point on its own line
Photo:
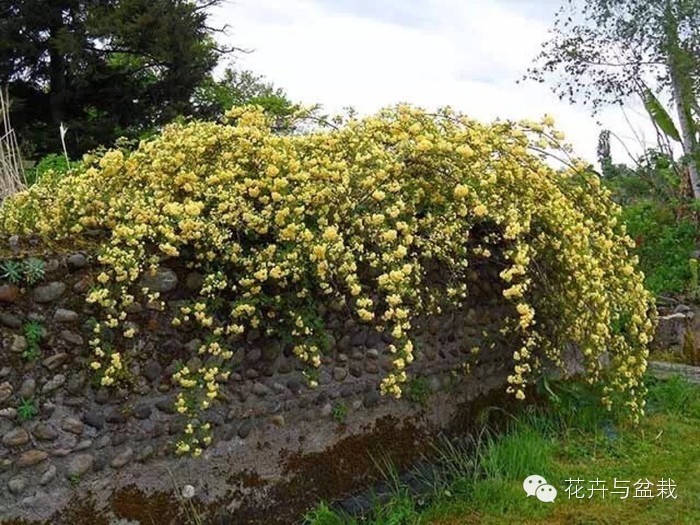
x=664 y=245
x=656 y=210
x=53 y=162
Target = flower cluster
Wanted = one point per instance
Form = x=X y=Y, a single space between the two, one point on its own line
x=352 y=218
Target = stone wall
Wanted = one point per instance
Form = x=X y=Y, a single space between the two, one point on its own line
x=73 y=452
x=678 y=334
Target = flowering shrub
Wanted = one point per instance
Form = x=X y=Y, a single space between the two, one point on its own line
x=352 y=218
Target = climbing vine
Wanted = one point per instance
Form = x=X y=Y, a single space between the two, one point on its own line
x=351 y=218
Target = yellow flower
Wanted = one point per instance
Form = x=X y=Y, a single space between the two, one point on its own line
x=331 y=234
x=274 y=220
x=461 y=191
x=378 y=195
x=389 y=235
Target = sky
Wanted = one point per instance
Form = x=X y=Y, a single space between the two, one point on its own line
x=368 y=54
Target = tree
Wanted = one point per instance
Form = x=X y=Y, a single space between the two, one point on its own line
x=605 y=51
x=237 y=87
x=104 y=68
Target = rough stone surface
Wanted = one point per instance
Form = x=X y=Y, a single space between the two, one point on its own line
x=8 y=293
x=166 y=405
x=79 y=465
x=31 y=457
x=44 y=431
x=54 y=361
x=245 y=429
x=63 y=315
x=194 y=281
x=19 y=344
x=27 y=389
x=77 y=261
x=122 y=458
x=10 y=320
x=17 y=484
x=54 y=383
x=49 y=292
x=118 y=443
x=145 y=453
x=73 y=425
x=15 y=437
x=71 y=337
x=261 y=389
x=48 y=475
x=142 y=411
x=153 y=370
x=164 y=280
x=6 y=390
x=94 y=418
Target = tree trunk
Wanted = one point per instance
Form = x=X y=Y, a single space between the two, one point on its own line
x=684 y=98
x=687 y=134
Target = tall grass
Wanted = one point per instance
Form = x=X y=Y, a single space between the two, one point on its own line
x=674 y=396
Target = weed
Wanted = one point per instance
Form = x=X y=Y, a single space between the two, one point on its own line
x=12 y=271
x=32 y=353
x=74 y=480
x=33 y=332
x=31 y=271
x=339 y=412
x=193 y=515
x=515 y=455
x=418 y=390
x=34 y=270
x=27 y=410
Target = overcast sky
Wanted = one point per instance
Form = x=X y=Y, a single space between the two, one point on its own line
x=372 y=53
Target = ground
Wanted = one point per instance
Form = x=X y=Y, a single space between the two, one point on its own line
x=571 y=439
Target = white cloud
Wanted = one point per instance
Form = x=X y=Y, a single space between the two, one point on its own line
x=467 y=54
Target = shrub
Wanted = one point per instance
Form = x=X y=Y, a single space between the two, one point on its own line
x=356 y=216
x=52 y=162
x=663 y=243
x=655 y=205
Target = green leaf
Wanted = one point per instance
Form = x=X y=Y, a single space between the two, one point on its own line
x=660 y=116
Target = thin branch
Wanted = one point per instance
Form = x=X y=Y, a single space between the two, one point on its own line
x=621 y=64
x=622 y=143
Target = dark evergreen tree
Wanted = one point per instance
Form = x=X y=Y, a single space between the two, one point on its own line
x=104 y=68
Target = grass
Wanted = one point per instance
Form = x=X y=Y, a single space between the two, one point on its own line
x=480 y=482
